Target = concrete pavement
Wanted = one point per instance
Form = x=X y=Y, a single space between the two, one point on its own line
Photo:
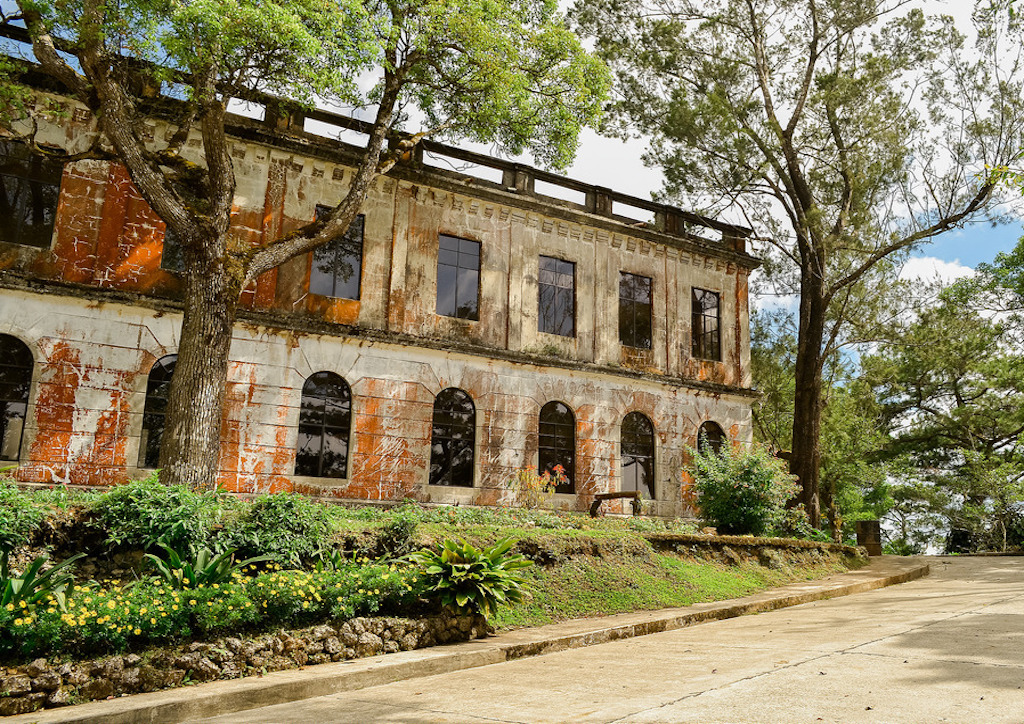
x=222 y=697
x=949 y=647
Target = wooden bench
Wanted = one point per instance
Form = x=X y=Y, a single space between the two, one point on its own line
x=595 y=507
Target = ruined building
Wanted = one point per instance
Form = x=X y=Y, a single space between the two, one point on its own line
x=481 y=317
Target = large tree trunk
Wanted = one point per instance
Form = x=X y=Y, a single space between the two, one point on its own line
x=190 y=449
x=806 y=460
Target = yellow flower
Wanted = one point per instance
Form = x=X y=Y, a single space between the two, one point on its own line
x=192 y=602
x=152 y=620
x=174 y=607
x=17 y=622
x=138 y=631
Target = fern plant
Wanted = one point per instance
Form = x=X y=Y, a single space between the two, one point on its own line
x=205 y=569
x=33 y=586
x=466 y=578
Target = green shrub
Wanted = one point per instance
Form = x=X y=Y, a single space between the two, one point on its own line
x=18 y=516
x=465 y=578
x=741 y=489
x=109 y=620
x=142 y=513
x=24 y=591
x=205 y=570
x=287 y=526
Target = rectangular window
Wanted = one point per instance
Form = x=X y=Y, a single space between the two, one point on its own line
x=635 y=310
x=556 y=293
x=338 y=264
x=458 y=277
x=706 y=321
x=29 y=187
x=172 y=258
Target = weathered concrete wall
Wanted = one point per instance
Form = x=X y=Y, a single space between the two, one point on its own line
x=93 y=359
x=93 y=355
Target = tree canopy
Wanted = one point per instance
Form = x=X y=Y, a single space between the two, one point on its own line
x=842 y=131
x=507 y=72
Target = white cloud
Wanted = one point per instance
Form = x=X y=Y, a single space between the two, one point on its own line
x=930 y=268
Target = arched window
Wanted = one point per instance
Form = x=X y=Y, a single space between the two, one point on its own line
x=158 y=389
x=453 y=438
x=638 y=454
x=710 y=437
x=325 y=420
x=15 y=378
x=557 y=443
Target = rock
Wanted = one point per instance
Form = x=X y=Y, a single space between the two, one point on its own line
x=64 y=669
x=368 y=645
x=350 y=638
x=319 y=633
x=291 y=644
x=348 y=653
x=16 y=685
x=320 y=658
x=113 y=666
x=187 y=661
x=232 y=670
x=130 y=681
x=98 y=688
x=36 y=668
x=391 y=647
x=152 y=678
x=408 y=642
x=280 y=663
x=770 y=558
x=76 y=678
x=465 y=624
x=332 y=645
x=197 y=647
x=46 y=682
x=60 y=697
x=731 y=557
x=9 y=706
x=132 y=660
x=258 y=660
x=358 y=626
x=299 y=656
x=233 y=644
x=205 y=670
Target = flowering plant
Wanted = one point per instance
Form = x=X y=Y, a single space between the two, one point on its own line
x=532 y=490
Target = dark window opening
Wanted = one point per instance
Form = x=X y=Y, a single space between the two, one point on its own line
x=635 y=310
x=638 y=454
x=710 y=437
x=557 y=443
x=172 y=258
x=337 y=265
x=707 y=340
x=453 y=439
x=29 y=189
x=158 y=390
x=325 y=421
x=556 y=292
x=16 y=365
x=458 y=277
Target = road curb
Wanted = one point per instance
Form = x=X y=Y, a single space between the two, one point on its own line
x=225 y=697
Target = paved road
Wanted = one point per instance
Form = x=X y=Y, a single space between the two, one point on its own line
x=949 y=647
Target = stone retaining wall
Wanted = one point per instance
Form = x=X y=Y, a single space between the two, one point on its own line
x=44 y=683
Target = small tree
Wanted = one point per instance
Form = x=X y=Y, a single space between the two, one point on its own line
x=506 y=72
x=741 y=489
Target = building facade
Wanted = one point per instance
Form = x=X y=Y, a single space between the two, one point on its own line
x=479 y=318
